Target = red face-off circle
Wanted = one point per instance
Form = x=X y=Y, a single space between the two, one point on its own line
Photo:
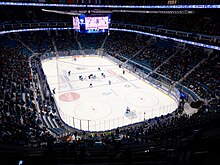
x=69 y=97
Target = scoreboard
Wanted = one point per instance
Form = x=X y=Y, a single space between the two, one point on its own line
x=92 y=23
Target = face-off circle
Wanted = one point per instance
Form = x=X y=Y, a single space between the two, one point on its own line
x=142 y=99
x=69 y=97
x=93 y=110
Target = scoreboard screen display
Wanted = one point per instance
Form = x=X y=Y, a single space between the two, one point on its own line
x=92 y=23
x=96 y=23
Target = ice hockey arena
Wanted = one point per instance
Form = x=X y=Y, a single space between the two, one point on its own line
x=109 y=82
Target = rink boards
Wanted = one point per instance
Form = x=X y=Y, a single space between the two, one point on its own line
x=96 y=102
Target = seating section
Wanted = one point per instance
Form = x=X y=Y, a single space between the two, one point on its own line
x=38 y=42
x=206 y=22
x=125 y=45
x=46 y=103
x=20 y=120
x=91 y=41
x=64 y=40
x=182 y=63
x=154 y=55
x=204 y=79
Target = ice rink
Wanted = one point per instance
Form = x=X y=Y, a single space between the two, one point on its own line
x=95 y=94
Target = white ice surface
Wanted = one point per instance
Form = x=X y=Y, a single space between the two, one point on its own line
x=102 y=106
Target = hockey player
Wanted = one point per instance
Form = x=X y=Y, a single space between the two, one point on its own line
x=69 y=73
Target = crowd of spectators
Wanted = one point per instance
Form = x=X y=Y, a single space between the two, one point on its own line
x=204 y=80
x=65 y=40
x=202 y=22
x=176 y=131
x=38 y=42
x=20 y=120
x=91 y=41
x=27 y=14
x=46 y=103
x=144 y=50
x=181 y=63
x=28 y=112
x=21 y=95
x=126 y=45
x=154 y=54
x=195 y=66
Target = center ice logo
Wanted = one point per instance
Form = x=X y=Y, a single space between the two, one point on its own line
x=69 y=97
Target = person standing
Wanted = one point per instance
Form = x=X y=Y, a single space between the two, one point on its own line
x=54 y=91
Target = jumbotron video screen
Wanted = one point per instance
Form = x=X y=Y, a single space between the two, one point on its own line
x=92 y=23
